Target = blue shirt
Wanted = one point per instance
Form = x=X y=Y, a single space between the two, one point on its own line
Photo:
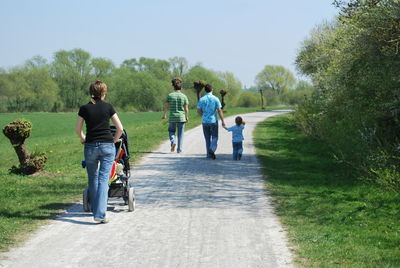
x=209 y=105
x=237 y=133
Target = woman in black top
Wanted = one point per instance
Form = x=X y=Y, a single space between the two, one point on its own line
x=99 y=146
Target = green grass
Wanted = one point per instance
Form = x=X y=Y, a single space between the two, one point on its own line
x=29 y=201
x=333 y=219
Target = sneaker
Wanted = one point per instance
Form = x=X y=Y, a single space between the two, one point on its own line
x=173 y=147
x=212 y=154
x=101 y=220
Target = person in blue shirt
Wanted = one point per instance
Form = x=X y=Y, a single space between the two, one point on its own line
x=208 y=108
x=237 y=137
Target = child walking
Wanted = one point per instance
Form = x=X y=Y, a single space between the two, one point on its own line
x=237 y=137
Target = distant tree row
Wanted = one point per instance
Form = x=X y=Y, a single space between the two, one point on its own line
x=354 y=64
x=136 y=85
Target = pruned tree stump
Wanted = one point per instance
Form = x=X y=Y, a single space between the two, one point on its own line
x=17 y=132
x=223 y=92
x=198 y=86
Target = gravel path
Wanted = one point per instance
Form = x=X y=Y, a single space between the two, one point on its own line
x=190 y=212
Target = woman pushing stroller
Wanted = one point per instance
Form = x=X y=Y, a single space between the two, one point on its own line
x=99 y=148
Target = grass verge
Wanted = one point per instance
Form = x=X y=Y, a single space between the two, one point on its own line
x=333 y=219
x=29 y=201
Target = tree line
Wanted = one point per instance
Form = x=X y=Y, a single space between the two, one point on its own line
x=138 y=84
x=354 y=65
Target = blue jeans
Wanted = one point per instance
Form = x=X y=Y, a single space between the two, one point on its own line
x=99 y=157
x=173 y=126
x=237 y=150
x=210 y=131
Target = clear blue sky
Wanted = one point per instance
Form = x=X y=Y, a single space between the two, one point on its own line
x=239 y=36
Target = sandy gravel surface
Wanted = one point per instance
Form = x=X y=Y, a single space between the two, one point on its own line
x=190 y=212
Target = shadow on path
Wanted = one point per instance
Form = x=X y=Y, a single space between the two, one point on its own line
x=178 y=183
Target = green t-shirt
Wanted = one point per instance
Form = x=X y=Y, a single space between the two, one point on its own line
x=177 y=101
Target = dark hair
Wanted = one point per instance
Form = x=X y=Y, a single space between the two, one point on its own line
x=176 y=83
x=208 y=88
x=97 y=89
x=238 y=120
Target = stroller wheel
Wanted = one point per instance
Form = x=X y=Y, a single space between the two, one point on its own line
x=86 y=201
x=131 y=199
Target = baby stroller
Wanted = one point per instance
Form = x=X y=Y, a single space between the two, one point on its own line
x=120 y=184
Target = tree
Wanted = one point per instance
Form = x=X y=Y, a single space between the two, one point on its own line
x=72 y=72
x=45 y=89
x=17 y=132
x=159 y=68
x=15 y=91
x=354 y=67
x=302 y=91
x=223 y=92
x=28 y=88
x=316 y=51
x=102 y=67
x=199 y=73
x=352 y=7
x=232 y=84
x=273 y=82
x=262 y=98
x=275 y=78
x=36 y=62
x=303 y=85
x=198 y=86
x=248 y=99
x=179 y=66
x=137 y=91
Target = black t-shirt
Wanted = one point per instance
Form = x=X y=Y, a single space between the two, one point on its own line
x=97 y=117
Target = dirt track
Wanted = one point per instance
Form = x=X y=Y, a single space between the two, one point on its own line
x=190 y=212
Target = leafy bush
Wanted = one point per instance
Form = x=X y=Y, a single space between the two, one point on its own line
x=248 y=99
x=354 y=65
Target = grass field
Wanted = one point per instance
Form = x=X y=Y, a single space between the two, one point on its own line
x=28 y=201
x=333 y=219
